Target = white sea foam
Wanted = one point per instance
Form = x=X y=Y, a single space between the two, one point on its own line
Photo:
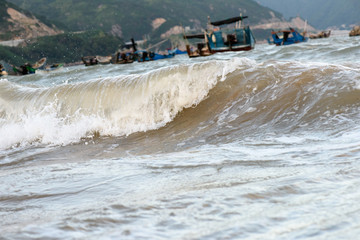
x=110 y=106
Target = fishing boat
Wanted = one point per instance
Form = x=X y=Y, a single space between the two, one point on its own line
x=28 y=68
x=144 y=55
x=234 y=39
x=50 y=68
x=89 y=60
x=24 y=69
x=288 y=37
x=94 y=60
x=177 y=51
x=163 y=55
x=123 y=58
x=3 y=71
x=103 y=59
x=39 y=64
x=7 y=69
x=321 y=34
x=355 y=31
x=216 y=39
x=202 y=49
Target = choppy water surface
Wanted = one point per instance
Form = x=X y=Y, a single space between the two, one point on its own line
x=252 y=145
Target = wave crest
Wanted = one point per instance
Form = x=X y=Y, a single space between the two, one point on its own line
x=110 y=106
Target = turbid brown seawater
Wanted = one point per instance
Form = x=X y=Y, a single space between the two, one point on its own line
x=251 y=145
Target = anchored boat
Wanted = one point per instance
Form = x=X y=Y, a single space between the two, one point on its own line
x=288 y=37
x=235 y=39
x=202 y=49
x=321 y=34
x=216 y=39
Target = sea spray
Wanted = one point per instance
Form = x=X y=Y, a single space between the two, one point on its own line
x=109 y=106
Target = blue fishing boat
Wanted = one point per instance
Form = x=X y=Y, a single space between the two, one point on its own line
x=158 y=56
x=237 y=38
x=142 y=55
x=145 y=55
x=232 y=39
x=288 y=37
x=177 y=51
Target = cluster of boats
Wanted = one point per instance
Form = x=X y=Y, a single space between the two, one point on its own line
x=27 y=68
x=292 y=36
x=130 y=57
x=213 y=40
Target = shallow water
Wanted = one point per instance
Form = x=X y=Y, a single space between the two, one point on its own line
x=251 y=145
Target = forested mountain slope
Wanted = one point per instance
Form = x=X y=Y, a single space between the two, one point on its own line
x=16 y=23
x=141 y=18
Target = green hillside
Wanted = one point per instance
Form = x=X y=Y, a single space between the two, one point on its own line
x=3 y=12
x=11 y=28
x=319 y=13
x=5 y=34
x=66 y=48
x=102 y=26
x=128 y=19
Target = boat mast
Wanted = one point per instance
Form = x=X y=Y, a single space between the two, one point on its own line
x=305 y=28
x=238 y=23
x=209 y=26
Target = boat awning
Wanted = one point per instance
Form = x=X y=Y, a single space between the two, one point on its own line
x=228 y=21
x=194 y=36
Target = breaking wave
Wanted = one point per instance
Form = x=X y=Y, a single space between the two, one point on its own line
x=220 y=96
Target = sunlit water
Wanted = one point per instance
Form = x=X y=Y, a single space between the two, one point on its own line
x=262 y=144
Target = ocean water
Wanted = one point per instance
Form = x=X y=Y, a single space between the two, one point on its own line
x=262 y=144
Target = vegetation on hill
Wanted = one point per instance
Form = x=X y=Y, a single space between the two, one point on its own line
x=3 y=12
x=68 y=48
x=112 y=21
x=4 y=24
x=128 y=19
x=18 y=23
x=320 y=13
